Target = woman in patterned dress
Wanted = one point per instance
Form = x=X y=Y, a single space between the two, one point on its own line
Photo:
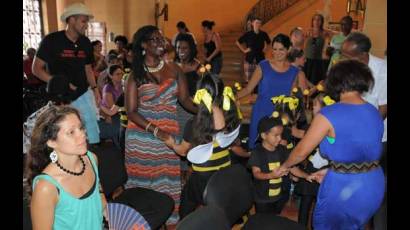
x=153 y=89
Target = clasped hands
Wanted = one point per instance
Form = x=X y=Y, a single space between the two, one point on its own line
x=316 y=176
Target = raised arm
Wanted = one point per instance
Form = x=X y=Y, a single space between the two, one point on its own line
x=319 y=128
x=256 y=78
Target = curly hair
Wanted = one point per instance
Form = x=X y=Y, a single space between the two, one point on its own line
x=193 y=51
x=348 y=76
x=45 y=129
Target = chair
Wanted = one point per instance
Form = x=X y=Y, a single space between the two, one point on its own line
x=111 y=167
x=268 y=221
x=231 y=190
x=155 y=207
x=205 y=218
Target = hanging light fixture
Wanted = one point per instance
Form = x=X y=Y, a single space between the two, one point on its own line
x=356 y=6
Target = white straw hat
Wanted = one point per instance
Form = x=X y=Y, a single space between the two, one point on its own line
x=76 y=9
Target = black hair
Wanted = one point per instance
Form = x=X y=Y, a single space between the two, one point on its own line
x=193 y=51
x=266 y=123
x=111 y=70
x=121 y=38
x=282 y=39
x=203 y=120
x=294 y=53
x=256 y=18
x=348 y=76
x=128 y=47
x=96 y=42
x=347 y=18
x=142 y=35
x=182 y=25
x=322 y=21
x=208 y=24
x=363 y=43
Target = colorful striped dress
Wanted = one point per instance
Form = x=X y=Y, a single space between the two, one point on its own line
x=149 y=162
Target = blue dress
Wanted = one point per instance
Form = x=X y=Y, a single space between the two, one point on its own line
x=349 y=200
x=272 y=84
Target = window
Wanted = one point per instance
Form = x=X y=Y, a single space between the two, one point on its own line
x=97 y=31
x=32 y=24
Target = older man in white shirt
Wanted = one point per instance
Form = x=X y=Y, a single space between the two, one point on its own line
x=357 y=46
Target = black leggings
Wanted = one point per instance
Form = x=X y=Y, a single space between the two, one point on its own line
x=304 y=208
x=268 y=208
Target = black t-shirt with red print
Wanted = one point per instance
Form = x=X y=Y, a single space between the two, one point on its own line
x=64 y=57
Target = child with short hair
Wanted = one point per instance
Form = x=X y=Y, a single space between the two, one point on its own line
x=265 y=159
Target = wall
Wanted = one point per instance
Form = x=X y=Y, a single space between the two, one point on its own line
x=225 y=13
x=376 y=25
x=301 y=14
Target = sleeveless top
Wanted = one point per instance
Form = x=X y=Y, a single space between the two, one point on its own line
x=210 y=47
x=314 y=47
x=84 y=213
x=359 y=132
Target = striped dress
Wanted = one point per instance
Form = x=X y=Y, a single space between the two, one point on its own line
x=149 y=162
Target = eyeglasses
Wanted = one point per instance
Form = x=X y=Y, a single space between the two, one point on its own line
x=157 y=40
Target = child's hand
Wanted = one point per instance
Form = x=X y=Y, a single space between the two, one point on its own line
x=319 y=175
x=310 y=178
x=281 y=171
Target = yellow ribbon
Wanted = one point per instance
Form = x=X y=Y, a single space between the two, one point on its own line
x=205 y=97
x=320 y=88
x=238 y=86
x=278 y=99
x=275 y=114
x=328 y=101
x=228 y=94
x=293 y=103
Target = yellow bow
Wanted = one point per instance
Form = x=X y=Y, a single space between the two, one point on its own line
x=328 y=101
x=204 y=96
x=238 y=86
x=293 y=103
x=277 y=99
x=275 y=114
x=320 y=88
x=228 y=94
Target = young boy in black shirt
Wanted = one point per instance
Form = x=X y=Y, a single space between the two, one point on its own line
x=265 y=159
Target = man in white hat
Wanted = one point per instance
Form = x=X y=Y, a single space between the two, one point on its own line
x=69 y=52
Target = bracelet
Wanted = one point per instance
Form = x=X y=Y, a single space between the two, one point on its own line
x=94 y=87
x=156 y=131
x=148 y=125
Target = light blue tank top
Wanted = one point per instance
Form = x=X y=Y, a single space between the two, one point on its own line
x=77 y=213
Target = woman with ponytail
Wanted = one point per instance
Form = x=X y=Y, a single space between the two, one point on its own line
x=152 y=90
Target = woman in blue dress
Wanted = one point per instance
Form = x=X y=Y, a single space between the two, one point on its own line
x=350 y=135
x=275 y=77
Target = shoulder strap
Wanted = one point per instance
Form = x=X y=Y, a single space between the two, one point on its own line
x=47 y=178
x=92 y=159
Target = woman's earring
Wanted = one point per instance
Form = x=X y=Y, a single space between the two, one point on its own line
x=143 y=52
x=53 y=156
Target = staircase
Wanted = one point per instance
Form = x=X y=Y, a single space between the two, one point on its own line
x=232 y=70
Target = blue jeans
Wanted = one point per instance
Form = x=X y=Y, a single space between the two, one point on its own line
x=85 y=104
x=111 y=131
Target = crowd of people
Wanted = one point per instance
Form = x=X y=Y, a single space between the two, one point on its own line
x=176 y=122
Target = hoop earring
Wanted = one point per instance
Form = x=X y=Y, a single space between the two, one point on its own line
x=53 y=156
